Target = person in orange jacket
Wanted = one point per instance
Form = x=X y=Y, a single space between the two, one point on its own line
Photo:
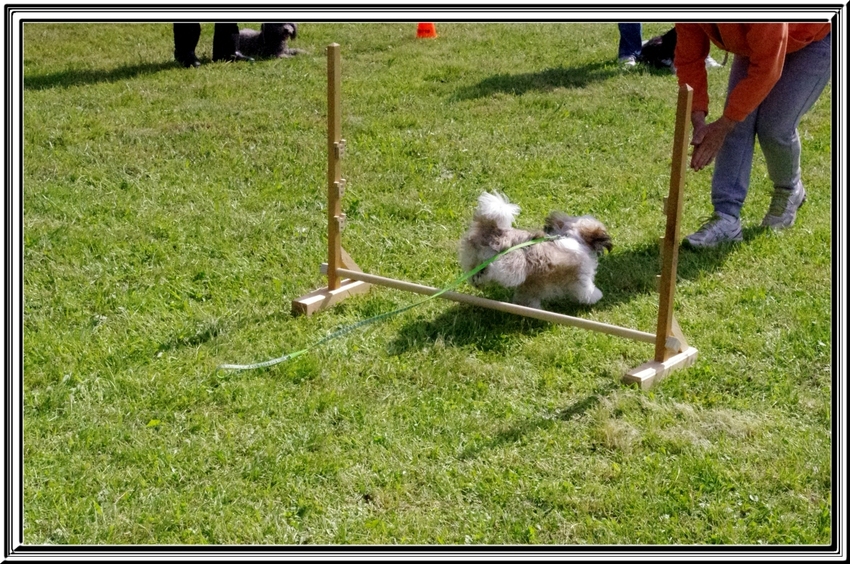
x=778 y=72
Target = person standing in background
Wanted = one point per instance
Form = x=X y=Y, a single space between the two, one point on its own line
x=630 y=43
x=225 y=41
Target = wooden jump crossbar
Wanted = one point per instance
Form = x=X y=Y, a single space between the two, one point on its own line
x=345 y=278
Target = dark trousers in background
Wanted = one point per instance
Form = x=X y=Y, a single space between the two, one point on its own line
x=186 y=36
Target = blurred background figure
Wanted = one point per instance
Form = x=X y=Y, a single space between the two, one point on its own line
x=656 y=52
x=630 y=43
x=225 y=42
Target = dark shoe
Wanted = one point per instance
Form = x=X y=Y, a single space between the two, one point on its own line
x=233 y=57
x=226 y=42
x=186 y=37
x=187 y=59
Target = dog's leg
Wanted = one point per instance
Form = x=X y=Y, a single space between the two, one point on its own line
x=586 y=292
x=479 y=278
x=525 y=299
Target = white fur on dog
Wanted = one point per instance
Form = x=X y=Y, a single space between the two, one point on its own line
x=496 y=207
x=564 y=267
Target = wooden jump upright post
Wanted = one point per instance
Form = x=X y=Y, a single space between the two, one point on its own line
x=667 y=328
x=337 y=289
x=345 y=278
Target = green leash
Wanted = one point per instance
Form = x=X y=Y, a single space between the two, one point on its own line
x=349 y=328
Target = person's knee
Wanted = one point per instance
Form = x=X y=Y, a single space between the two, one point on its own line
x=775 y=136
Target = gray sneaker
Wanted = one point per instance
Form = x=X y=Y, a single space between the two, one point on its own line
x=783 y=207
x=721 y=228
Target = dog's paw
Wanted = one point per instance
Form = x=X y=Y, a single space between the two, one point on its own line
x=594 y=296
x=527 y=301
x=289 y=53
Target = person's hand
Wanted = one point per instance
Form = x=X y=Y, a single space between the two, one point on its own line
x=698 y=123
x=707 y=139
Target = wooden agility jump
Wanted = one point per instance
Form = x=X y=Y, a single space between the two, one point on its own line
x=345 y=278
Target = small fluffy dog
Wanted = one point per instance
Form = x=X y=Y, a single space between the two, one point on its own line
x=561 y=267
x=270 y=41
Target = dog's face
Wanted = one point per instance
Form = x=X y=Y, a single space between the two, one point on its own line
x=283 y=31
x=587 y=228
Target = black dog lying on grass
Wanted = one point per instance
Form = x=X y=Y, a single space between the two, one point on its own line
x=658 y=51
x=270 y=41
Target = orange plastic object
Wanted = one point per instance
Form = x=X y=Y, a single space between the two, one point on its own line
x=426 y=30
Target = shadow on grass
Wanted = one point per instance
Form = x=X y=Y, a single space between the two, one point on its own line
x=82 y=77
x=488 y=330
x=622 y=276
x=517 y=84
x=548 y=79
x=517 y=432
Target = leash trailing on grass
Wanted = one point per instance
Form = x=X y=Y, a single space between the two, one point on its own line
x=340 y=332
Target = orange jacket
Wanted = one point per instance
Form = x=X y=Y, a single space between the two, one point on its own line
x=764 y=44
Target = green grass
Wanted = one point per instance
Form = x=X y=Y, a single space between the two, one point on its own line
x=171 y=215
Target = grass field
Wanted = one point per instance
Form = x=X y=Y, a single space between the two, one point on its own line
x=171 y=215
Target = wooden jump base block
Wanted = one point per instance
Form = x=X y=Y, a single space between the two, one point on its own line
x=345 y=278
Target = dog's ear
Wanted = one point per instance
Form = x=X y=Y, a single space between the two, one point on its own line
x=594 y=234
x=602 y=244
x=556 y=223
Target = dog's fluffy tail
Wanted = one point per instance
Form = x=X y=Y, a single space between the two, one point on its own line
x=496 y=209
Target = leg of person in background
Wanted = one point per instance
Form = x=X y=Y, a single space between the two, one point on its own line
x=226 y=43
x=630 y=43
x=186 y=37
